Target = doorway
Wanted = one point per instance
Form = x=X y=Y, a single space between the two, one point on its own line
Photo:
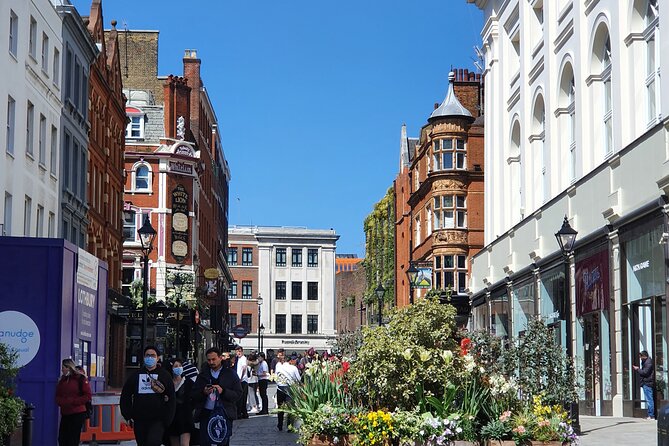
x=647 y=330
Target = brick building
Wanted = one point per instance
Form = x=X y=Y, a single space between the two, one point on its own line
x=106 y=137
x=350 y=286
x=439 y=192
x=177 y=176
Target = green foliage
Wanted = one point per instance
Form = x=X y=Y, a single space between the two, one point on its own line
x=543 y=367
x=347 y=344
x=136 y=294
x=379 y=260
x=10 y=405
x=415 y=347
x=184 y=292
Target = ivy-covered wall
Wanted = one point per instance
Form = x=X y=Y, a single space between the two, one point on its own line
x=380 y=248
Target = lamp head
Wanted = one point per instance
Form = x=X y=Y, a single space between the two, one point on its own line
x=146 y=235
x=412 y=274
x=380 y=291
x=566 y=237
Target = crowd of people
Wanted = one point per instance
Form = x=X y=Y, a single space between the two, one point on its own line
x=168 y=402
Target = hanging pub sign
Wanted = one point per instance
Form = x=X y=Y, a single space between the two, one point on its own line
x=180 y=200
x=592 y=283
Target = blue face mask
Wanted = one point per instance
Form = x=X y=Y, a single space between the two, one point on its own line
x=150 y=361
x=178 y=370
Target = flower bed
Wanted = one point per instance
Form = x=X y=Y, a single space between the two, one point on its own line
x=418 y=382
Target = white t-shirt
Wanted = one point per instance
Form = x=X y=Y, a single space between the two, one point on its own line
x=288 y=374
x=263 y=370
x=242 y=369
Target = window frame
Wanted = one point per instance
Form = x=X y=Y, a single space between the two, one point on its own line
x=295 y=257
x=280 y=257
x=296 y=289
x=247 y=285
x=312 y=324
x=30 y=129
x=32 y=42
x=41 y=141
x=280 y=290
x=458 y=213
x=127 y=225
x=312 y=290
x=441 y=148
x=10 y=137
x=13 y=33
x=232 y=292
x=295 y=320
x=135 y=177
x=45 y=54
x=138 y=126
x=247 y=252
x=232 y=256
x=312 y=257
x=280 y=323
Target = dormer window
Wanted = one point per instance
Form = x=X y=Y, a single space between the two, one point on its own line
x=135 y=128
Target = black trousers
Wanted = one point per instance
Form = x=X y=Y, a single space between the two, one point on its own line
x=282 y=397
x=262 y=386
x=149 y=432
x=69 y=432
x=241 y=402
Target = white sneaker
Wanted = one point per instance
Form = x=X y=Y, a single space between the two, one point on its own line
x=253 y=410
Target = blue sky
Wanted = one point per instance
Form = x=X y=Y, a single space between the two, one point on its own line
x=310 y=95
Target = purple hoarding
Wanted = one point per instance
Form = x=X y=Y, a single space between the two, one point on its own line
x=45 y=290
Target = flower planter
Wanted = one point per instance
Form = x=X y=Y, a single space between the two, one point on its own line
x=500 y=443
x=547 y=443
x=330 y=440
x=465 y=443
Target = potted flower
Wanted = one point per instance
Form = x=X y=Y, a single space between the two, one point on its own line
x=498 y=431
x=328 y=425
x=374 y=428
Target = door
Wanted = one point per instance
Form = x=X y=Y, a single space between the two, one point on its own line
x=593 y=362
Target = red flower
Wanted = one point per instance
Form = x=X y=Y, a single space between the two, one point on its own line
x=345 y=366
x=465 y=345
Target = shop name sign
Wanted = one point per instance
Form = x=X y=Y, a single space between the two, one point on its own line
x=181 y=167
x=640 y=266
x=20 y=333
x=591 y=278
x=180 y=207
x=294 y=342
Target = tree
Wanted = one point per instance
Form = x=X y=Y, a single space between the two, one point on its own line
x=10 y=405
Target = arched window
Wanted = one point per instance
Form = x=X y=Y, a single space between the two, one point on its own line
x=608 y=101
x=515 y=162
x=537 y=139
x=567 y=118
x=142 y=178
x=651 y=36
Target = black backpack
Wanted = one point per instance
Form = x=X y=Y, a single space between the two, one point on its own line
x=89 y=404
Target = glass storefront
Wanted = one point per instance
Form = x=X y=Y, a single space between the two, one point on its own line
x=499 y=313
x=593 y=357
x=644 y=311
x=523 y=306
x=552 y=297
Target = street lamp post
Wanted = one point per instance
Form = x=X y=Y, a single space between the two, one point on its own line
x=380 y=291
x=146 y=235
x=262 y=336
x=566 y=237
x=178 y=282
x=412 y=274
x=259 y=324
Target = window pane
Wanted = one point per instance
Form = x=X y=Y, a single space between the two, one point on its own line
x=462 y=282
x=281 y=257
x=437 y=202
x=448 y=220
x=312 y=291
x=462 y=262
x=437 y=279
x=447 y=144
x=462 y=219
x=129 y=226
x=448 y=261
x=447 y=160
x=460 y=160
x=312 y=259
x=460 y=144
x=460 y=201
x=296 y=254
x=296 y=323
x=437 y=262
x=650 y=52
x=280 y=323
x=448 y=279
x=296 y=291
x=280 y=288
x=448 y=201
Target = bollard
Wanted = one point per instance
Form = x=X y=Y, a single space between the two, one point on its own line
x=28 y=419
x=663 y=426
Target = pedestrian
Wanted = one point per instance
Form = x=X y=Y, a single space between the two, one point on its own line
x=72 y=393
x=182 y=424
x=215 y=394
x=280 y=356
x=147 y=400
x=647 y=381
x=252 y=402
x=190 y=370
x=287 y=373
x=241 y=365
x=262 y=371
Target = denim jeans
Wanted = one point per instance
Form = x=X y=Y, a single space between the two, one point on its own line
x=650 y=402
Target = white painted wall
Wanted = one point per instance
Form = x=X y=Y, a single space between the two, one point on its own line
x=23 y=78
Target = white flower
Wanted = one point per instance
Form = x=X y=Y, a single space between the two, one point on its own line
x=447 y=355
x=424 y=355
x=407 y=354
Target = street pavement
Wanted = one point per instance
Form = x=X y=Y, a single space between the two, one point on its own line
x=260 y=430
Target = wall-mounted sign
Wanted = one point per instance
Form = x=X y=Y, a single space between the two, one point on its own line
x=592 y=283
x=211 y=273
x=424 y=278
x=87 y=290
x=183 y=149
x=20 y=333
x=180 y=167
x=180 y=201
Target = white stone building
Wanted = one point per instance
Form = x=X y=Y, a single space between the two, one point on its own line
x=576 y=104
x=30 y=63
x=293 y=271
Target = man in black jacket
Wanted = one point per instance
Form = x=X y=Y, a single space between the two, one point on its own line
x=218 y=381
x=647 y=381
x=147 y=400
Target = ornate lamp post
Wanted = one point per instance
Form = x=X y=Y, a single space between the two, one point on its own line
x=412 y=274
x=262 y=336
x=178 y=284
x=259 y=324
x=146 y=236
x=566 y=237
x=380 y=292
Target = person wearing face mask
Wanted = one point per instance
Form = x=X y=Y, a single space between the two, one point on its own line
x=72 y=393
x=147 y=400
x=182 y=424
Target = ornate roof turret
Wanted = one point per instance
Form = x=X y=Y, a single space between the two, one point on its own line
x=451 y=107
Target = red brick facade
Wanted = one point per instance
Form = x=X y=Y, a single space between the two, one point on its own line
x=351 y=286
x=424 y=234
x=105 y=148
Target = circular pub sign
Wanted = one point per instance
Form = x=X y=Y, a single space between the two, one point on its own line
x=239 y=331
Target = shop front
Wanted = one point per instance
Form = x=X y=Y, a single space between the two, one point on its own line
x=552 y=307
x=592 y=356
x=644 y=323
x=499 y=313
x=523 y=305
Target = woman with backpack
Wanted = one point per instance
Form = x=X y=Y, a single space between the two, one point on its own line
x=72 y=394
